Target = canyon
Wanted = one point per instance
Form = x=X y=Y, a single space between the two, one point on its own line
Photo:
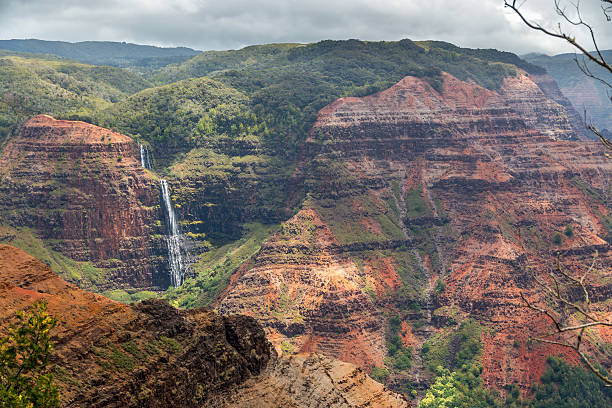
x=408 y=222
x=412 y=190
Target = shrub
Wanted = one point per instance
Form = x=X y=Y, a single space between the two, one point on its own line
x=24 y=358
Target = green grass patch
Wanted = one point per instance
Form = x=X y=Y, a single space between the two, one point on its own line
x=454 y=348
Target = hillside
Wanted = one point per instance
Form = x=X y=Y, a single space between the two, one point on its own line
x=408 y=227
x=152 y=355
x=34 y=84
x=289 y=83
x=118 y=54
x=584 y=92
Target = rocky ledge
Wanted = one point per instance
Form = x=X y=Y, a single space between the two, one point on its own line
x=149 y=354
x=143 y=355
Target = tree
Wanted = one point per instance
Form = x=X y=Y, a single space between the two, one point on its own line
x=24 y=358
x=571 y=313
x=573 y=17
x=566 y=302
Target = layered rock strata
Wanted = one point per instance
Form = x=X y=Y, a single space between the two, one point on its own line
x=107 y=354
x=309 y=295
x=84 y=192
x=443 y=203
x=150 y=354
x=312 y=380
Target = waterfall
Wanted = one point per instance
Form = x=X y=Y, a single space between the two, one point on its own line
x=173 y=238
x=142 y=158
x=145 y=156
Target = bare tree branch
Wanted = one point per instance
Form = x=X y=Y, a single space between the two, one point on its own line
x=563 y=282
x=597 y=58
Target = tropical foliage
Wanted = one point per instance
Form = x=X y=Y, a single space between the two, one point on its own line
x=24 y=358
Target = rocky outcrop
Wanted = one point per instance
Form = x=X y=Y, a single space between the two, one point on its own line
x=84 y=192
x=143 y=355
x=308 y=295
x=150 y=354
x=443 y=203
x=551 y=89
x=312 y=380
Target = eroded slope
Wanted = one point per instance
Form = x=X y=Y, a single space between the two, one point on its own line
x=433 y=204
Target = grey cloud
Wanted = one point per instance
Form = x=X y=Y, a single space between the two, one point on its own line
x=206 y=24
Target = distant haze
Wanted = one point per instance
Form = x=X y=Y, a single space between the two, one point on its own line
x=230 y=24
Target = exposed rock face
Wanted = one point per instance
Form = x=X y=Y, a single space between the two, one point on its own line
x=143 y=355
x=150 y=354
x=550 y=88
x=303 y=287
x=434 y=203
x=83 y=189
x=312 y=380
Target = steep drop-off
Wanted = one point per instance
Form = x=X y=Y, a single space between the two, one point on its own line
x=433 y=207
x=150 y=354
x=83 y=191
x=588 y=95
x=144 y=355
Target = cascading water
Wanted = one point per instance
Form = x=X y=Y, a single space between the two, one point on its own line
x=173 y=235
x=173 y=238
x=142 y=157
x=145 y=157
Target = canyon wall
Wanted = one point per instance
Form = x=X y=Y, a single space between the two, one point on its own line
x=83 y=191
x=150 y=354
x=437 y=207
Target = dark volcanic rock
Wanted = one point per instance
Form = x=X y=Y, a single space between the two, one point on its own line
x=142 y=355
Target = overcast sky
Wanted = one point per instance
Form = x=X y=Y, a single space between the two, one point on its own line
x=231 y=24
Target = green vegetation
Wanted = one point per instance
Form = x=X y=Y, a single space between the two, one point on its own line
x=459 y=389
x=34 y=84
x=416 y=206
x=400 y=357
x=287 y=348
x=124 y=296
x=289 y=83
x=454 y=357
x=379 y=374
x=214 y=269
x=563 y=386
x=412 y=277
x=183 y=114
x=24 y=358
x=454 y=348
x=119 y=54
x=567 y=386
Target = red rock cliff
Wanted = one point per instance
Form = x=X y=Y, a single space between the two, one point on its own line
x=82 y=189
x=415 y=189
